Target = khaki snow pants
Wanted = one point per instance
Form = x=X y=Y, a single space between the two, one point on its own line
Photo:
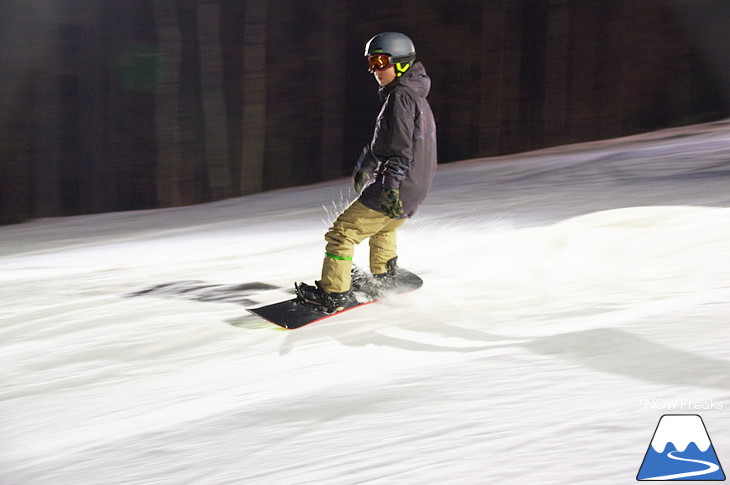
x=354 y=225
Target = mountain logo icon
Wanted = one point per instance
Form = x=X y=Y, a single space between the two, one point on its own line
x=681 y=450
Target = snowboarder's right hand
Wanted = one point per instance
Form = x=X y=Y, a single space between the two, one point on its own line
x=360 y=178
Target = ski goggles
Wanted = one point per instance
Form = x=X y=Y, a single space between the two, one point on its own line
x=378 y=62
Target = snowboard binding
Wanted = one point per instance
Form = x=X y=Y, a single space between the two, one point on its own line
x=316 y=297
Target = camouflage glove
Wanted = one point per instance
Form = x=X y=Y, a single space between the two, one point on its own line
x=390 y=203
x=360 y=179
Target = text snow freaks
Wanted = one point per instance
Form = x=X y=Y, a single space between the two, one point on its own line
x=680 y=405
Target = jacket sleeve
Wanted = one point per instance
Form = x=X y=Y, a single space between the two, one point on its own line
x=401 y=111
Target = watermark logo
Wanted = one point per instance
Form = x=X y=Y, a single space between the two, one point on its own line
x=681 y=450
x=680 y=405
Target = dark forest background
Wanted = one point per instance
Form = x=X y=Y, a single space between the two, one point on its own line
x=109 y=105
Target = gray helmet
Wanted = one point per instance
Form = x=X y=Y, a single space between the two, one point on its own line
x=396 y=45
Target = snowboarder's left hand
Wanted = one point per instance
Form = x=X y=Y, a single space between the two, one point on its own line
x=390 y=203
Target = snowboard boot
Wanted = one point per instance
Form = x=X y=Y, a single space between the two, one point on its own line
x=317 y=297
x=386 y=281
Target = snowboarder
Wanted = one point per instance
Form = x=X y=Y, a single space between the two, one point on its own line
x=392 y=176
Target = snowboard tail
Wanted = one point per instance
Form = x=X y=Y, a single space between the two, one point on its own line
x=292 y=314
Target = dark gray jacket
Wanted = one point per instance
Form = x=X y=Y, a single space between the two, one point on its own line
x=402 y=153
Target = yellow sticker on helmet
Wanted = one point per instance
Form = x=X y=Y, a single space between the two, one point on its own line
x=402 y=68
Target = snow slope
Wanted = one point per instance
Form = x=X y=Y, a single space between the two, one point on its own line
x=572 y=297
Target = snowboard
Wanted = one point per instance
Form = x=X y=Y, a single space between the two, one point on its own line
x=292 y=314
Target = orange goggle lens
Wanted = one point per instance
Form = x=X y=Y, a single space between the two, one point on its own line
x=377 y=62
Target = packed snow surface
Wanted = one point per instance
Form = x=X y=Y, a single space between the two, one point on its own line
x=572 y=297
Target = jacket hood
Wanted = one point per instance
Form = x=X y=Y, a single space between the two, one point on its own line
x=414 y=78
